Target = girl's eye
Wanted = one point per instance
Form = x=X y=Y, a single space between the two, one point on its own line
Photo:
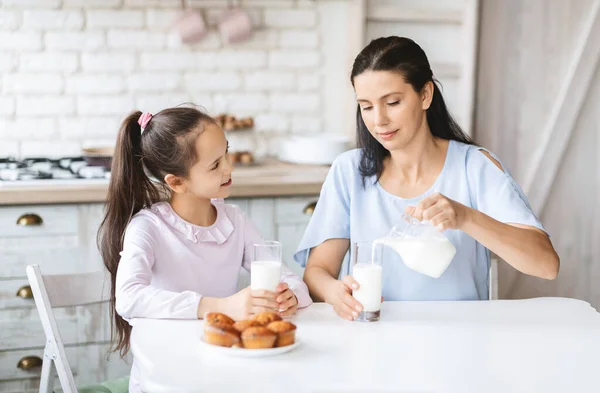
x=216 y=165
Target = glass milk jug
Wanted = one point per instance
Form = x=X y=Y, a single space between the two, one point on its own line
x=421 y=247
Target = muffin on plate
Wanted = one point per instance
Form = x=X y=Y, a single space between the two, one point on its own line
x=217 y=317
x=240 y=326
x=221 y=334
x=286 y=332
x=265 y=318
x=258 y=337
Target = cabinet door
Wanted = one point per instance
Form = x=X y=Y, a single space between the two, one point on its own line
x=291 y=218
x=92 y=363
x=90 y=218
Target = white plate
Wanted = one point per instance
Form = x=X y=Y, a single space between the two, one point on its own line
x=248 y=353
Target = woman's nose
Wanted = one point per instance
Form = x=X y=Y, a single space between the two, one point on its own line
x=381 y=119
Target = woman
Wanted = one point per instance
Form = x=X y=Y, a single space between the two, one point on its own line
x=414 y=158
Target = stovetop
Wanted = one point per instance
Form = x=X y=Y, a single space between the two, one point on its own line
x=48 y=170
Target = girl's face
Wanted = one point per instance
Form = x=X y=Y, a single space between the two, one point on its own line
x=391 y=109
x=210 y=176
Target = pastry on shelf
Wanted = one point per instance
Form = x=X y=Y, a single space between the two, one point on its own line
x=241 y=157
x=231 y=123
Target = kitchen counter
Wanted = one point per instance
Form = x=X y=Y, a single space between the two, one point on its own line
x=270 y=179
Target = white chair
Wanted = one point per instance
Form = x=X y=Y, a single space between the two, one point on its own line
x=494 y=259
x=63 y=291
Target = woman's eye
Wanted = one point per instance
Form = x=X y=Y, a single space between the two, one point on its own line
x=393 y=103
x=366 y=108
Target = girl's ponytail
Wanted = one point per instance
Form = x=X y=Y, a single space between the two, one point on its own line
x=129 y=191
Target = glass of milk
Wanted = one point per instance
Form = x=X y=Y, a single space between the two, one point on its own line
x=367 y=269
x=265 y=269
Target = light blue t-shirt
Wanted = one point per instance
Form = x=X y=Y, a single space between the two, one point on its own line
x=348 y=210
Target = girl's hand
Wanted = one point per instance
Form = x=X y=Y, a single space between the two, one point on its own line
x=442 y=212
x=247 y=303
x=288 y=302
x=340 y=297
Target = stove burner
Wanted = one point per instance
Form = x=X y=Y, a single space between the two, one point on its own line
x=43 y=168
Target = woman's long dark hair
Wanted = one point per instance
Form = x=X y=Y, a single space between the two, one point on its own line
x=404 y=56
x=167 y=146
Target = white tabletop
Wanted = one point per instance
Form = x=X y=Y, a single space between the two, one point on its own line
x=536 y=345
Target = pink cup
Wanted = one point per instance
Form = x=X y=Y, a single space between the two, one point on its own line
x=235 y=26
x=191 y=27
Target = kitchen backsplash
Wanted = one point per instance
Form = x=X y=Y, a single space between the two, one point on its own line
x=73 y=69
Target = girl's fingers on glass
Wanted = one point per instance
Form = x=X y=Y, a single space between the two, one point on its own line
x=288 y=294
x=258 y=310
x=262 y=293
x=290 y=311
x=266 y=303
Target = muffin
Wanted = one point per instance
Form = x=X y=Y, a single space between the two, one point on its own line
x=286 y=332
x=265 y=318
x=216 y=317
x=221 y=334
x=258 y=337
x=240 y=326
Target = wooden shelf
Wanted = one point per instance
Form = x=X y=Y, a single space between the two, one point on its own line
x=413 y=15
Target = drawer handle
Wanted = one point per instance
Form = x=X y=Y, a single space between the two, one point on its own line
x=29 y=362
x=30 y=220
x=25 y=292
x=310 y=208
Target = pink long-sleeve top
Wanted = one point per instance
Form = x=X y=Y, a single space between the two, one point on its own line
x=168 y=264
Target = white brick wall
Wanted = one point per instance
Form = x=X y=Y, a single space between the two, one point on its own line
x=114 y=19
x=76 y=41
x=66 y=62
x=73 y=69
x=33 y=83
x=52 y=20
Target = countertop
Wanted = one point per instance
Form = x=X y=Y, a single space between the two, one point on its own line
x=272 y=178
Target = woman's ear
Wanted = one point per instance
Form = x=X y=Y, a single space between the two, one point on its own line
x=427 y=95
x=175 y=183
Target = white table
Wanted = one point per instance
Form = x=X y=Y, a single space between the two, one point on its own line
x=537 y=345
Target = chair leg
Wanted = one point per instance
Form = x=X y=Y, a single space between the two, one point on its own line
x=48 y=375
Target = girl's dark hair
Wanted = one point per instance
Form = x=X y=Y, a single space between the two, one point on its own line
x=167 y=146
x=404 y=56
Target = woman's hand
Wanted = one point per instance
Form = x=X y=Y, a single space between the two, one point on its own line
x=288 y=302
x=442 y=212
x=340 y=297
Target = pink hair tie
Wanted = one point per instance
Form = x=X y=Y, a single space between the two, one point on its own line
x=144 y=120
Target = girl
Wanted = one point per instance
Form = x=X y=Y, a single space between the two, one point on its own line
x=179 y=259
x=414 y=158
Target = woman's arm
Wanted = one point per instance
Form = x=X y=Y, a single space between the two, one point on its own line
x=322 y=270
x=527 y=249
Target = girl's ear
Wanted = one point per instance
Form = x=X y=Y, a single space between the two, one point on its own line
x=175 y=183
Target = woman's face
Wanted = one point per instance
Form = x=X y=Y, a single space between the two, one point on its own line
x=392 y=110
